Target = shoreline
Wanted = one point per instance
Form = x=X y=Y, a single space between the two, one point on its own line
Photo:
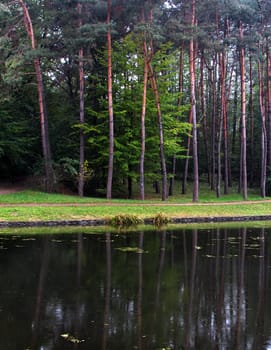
x=147 y=221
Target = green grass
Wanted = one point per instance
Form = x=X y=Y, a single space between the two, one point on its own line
x=32 y=213
x=36 y=206
x=206 y=196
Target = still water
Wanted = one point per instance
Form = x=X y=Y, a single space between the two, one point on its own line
x=186 y=289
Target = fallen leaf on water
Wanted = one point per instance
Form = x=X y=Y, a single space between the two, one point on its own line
x=71 y=338
x=131 y=250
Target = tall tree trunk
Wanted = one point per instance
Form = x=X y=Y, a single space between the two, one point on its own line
x=263 y=131
x=159 y=112
x=213 y=136
x=223 y=119
x=110 y=104
x=235 y=112
x=268 y=119
x=161 y=133
x=268 y=101
x=204 y=117
x=219 y=141
x=243 y=115
x=186 y=165
x=143 y=115
x=46 y=149
x=251 y=124
x=82 y=112
x=192 y=56
x=180 y=90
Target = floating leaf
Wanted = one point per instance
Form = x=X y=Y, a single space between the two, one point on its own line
x=131 y=250
x=71 y=338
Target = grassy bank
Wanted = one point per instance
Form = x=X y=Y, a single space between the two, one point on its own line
x=36 y=206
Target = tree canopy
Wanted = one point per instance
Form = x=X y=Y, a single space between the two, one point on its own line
x=190 y=94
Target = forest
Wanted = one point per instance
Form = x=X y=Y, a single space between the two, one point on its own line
x=111 y=97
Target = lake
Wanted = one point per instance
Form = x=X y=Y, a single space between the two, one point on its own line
x=205 y=288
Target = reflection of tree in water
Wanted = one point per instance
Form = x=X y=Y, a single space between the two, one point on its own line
x=107 y=296
x=258 y=336
x=192 y=289
x=217 y=308
x=40 y=291
x=140 y=293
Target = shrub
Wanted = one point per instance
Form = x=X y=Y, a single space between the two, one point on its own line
x=125 y=220
x=160 y=219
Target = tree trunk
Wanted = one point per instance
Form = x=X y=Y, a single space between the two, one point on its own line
x=219 y=141
x=204 y=118
x=161 y=133
x=251 y=126
x=193 y=107
x=110 y=104
x=180 y=90
x=268 y=119
x=143 y=130
x=46 y=149
x=223 y=118
x=268 y=100
x=243 y=115
x=81 y=113
x=263 y=132
x=213 y=137
x=186 y=165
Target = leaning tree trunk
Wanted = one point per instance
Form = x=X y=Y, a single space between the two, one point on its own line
x=161 y=133
x=46 y=149
x=243 y=169
x=159 y=114
x=81 y=113
x=110 y=104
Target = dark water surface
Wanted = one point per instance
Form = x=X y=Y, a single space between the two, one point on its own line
x=186 y=289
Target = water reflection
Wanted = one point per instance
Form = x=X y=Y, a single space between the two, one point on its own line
x=186 y=289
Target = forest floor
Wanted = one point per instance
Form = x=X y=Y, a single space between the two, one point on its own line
x=8 y=187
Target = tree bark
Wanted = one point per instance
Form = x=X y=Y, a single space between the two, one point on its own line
x=110 y=104
x=243 y=115
x=251 y=125
x=204 y=117
x=46 y=149
x=143 y=130
x=263 y=131
x=161 y=133
x=193 y=107
x=180 y=89
x=81 y=113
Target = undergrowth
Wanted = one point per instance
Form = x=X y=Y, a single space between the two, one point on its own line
x=125 y=220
